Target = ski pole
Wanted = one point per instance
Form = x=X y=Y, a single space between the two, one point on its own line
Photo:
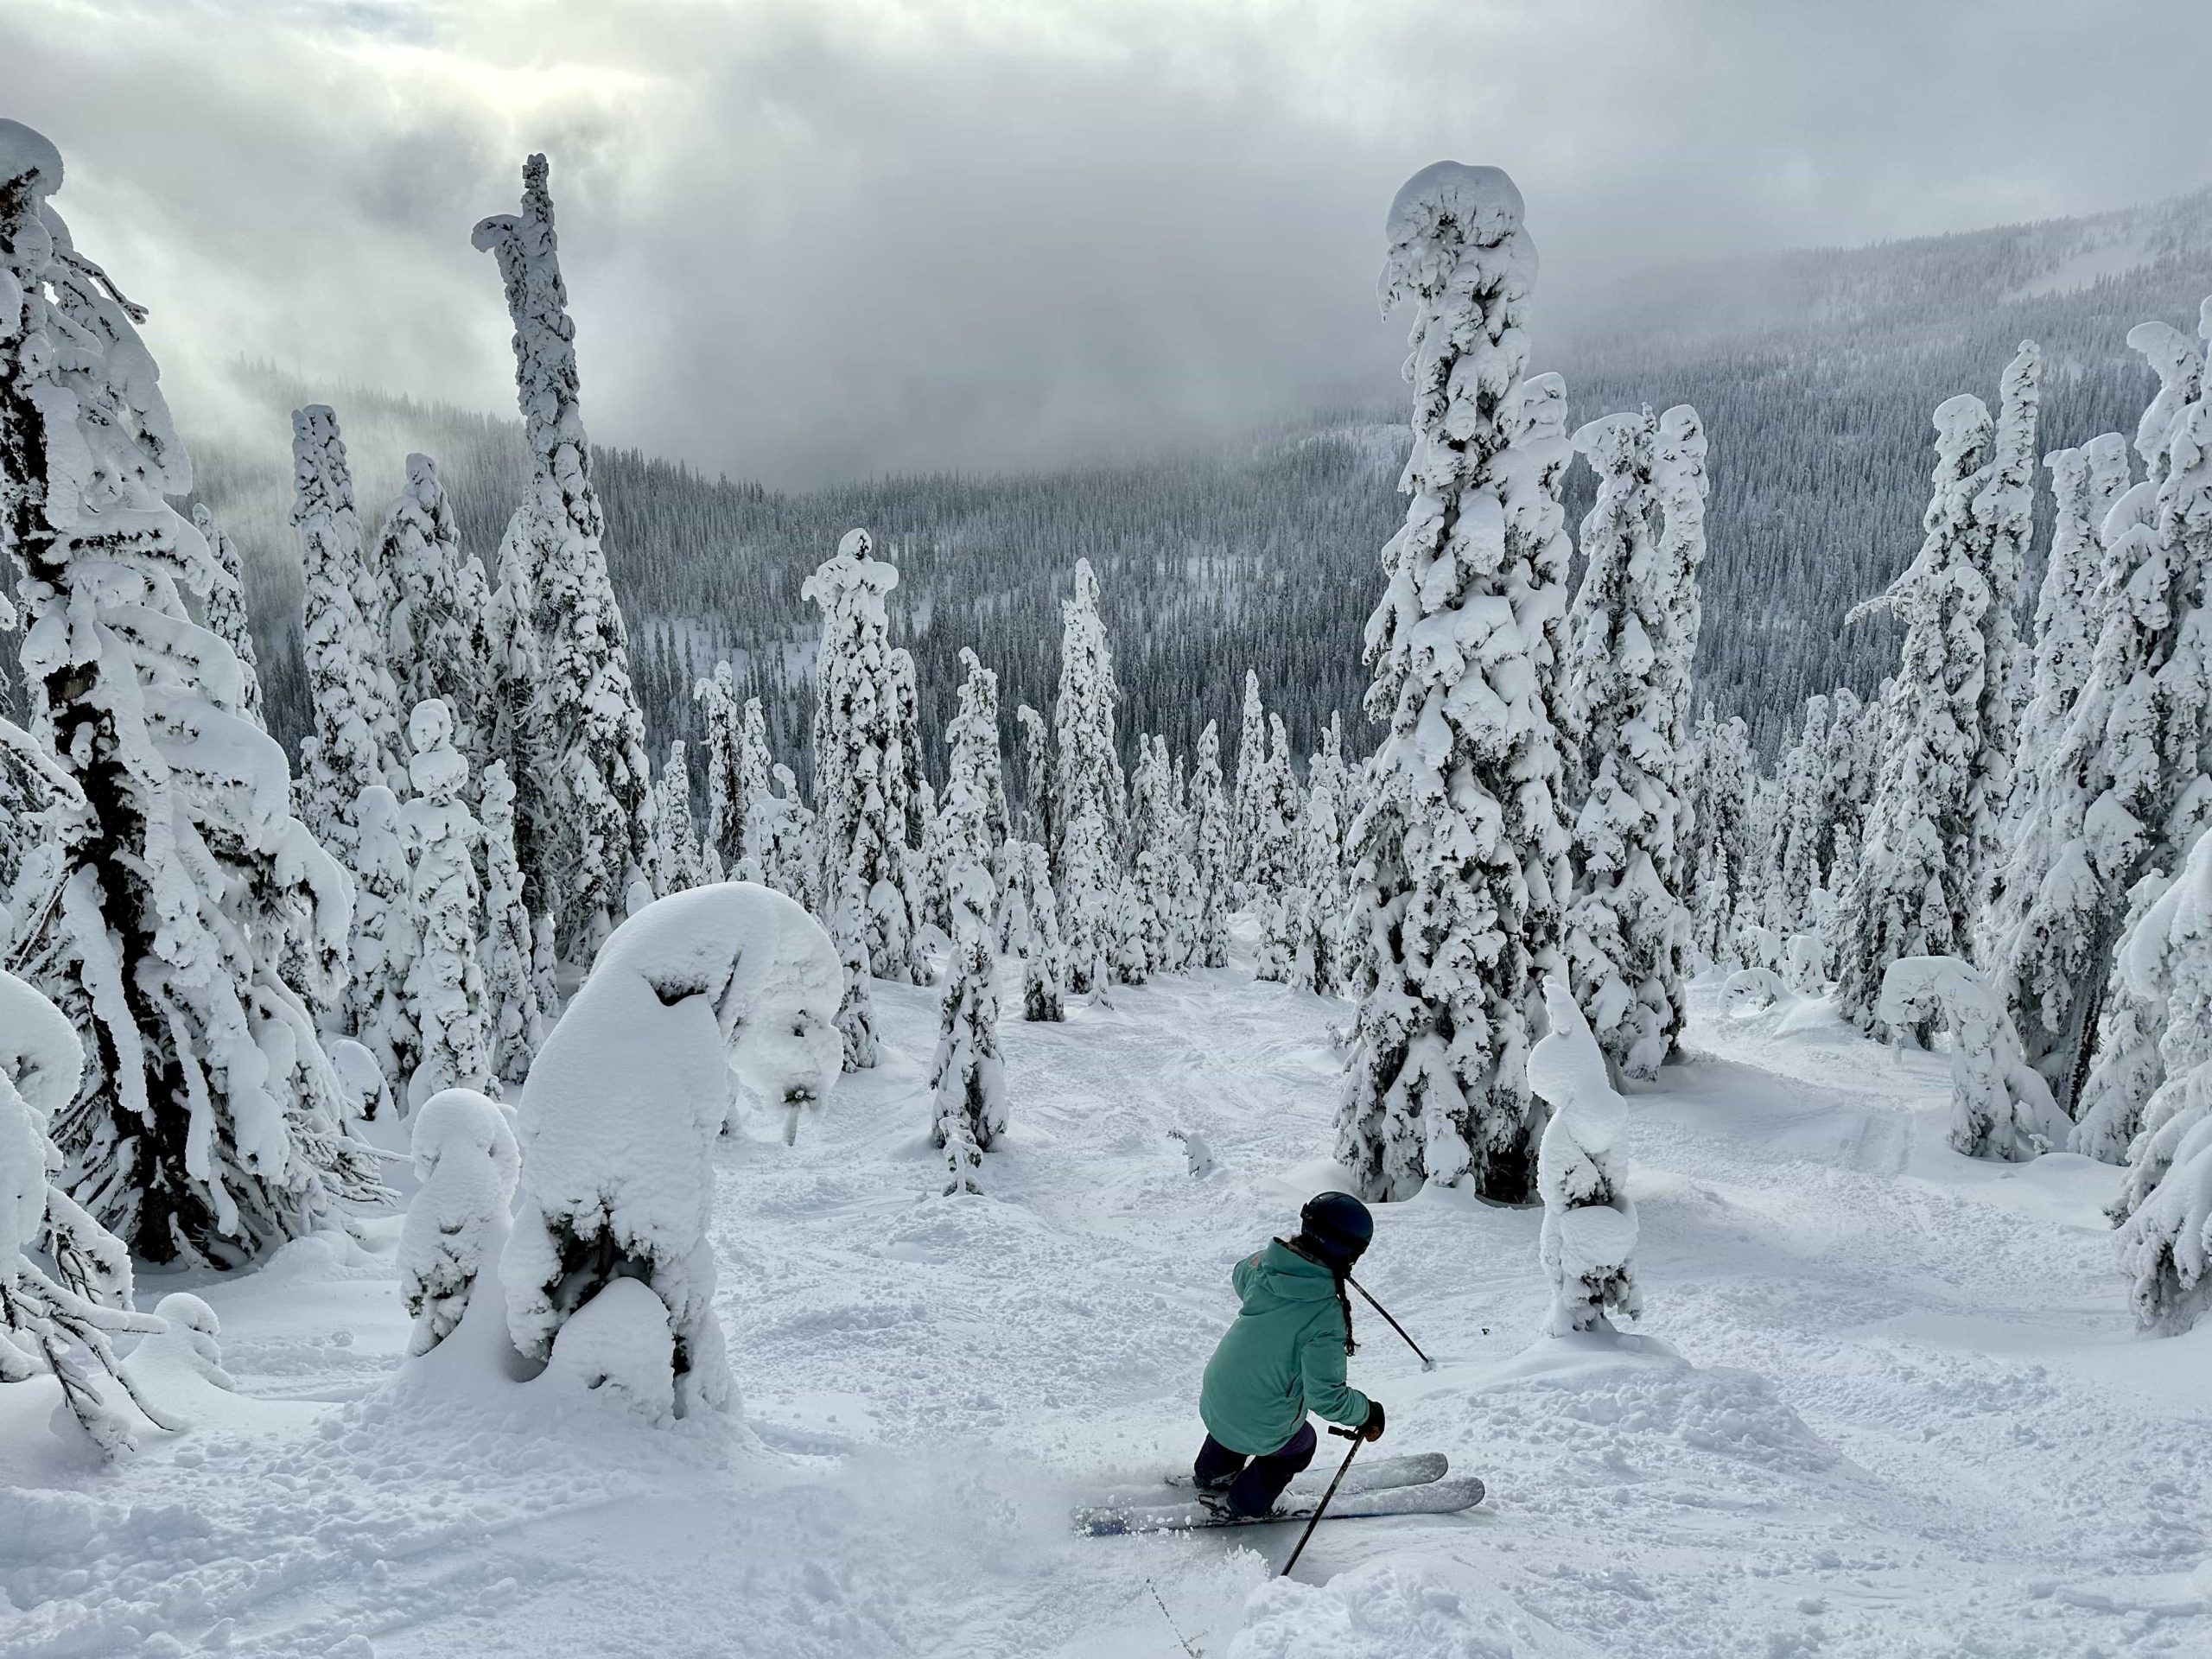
x=1343 y=1469
x=1427 y=1363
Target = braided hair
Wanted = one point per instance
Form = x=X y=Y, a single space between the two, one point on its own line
x=1303 y=1245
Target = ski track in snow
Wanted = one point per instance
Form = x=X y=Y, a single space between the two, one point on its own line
x=1910 y=1416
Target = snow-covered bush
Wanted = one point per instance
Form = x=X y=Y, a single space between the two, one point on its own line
x=65 y=1281
x=467 y=1162
x=1457 y=843
x=1753 y=990
x=2000 y=1106
x=699 y=999
x=1588 y=1242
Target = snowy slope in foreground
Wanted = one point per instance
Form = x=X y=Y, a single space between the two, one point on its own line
x=1887 y=1402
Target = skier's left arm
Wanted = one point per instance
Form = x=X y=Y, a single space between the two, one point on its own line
x=1321 y=1366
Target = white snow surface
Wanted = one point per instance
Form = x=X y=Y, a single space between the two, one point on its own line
x=1885 y=1401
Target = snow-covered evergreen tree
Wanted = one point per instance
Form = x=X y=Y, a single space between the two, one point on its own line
x=467 y=1164
x=513 y=718
x=968 y=1080
x=226 y=614
x=436 y=628
x=384 y=942
x=1037 y=797
x=514 y=1021
x=352 y=746
x=1321 y=888
x=2003 y=512
x=2000 y=1106
x=724 y=849
x=848 y=933
x=1161 y=865
x=1043 y=968
x=676 y=856
x=1632 y=631
x=1213 y=852
x=1722 y=805
x=1090 y=802
x=2122 y=790
x=1588 y=1242
x=1459 y=847
x=65 y=1281
x=860 y=817
x=445 y=982
x=2164 y=1210
x=1274 y=866
x=1917 y=886
x=600 y=811
x=1251 y=765
x=209 y=1124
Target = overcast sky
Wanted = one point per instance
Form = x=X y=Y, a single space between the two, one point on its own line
x=818 y=239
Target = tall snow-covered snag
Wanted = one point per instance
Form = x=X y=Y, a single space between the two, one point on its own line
x=2164 y=1210
x=1458 y=843
x=226 y=612
x=209 y=1124
x=598 y=814
x=514 y=1021
x=968 y=1080
x=2000 y=1106
x=1917 y=886
x=1091 y=805
x=1273 y=868
x=445 y=983
x=65 y=1281
x=352 y=742
x=467 y=1162
x=1588 y=1243
x=860 y=818
x=2122 y=791
x=1213 y=852
x=1633 y=630
x=437 y=626
x=700 y=1000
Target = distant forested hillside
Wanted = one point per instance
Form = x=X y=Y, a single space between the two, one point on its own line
x=1815 y=372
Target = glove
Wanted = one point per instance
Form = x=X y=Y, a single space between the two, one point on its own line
x=1372 y=1428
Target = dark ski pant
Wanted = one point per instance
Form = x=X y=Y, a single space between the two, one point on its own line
x=1255 y=1484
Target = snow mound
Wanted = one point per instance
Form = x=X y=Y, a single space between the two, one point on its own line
x=1630 y=1399
x=619 y=1346
x=1385 y=1609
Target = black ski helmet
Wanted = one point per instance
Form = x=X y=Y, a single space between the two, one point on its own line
x=1338 y=1226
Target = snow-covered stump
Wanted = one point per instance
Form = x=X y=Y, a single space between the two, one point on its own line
x=467 y=1162
x=1588 y=1242
x=2000 y=1106
x=701 y=996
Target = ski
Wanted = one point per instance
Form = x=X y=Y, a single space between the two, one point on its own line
x=1446 y=1496
x=1414 y=1469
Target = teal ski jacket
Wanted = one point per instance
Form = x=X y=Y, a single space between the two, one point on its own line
x=1283 y=1358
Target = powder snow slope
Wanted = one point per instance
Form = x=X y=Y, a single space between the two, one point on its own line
x=1886 y=1402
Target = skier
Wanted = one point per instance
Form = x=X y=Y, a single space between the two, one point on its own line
x=1283 y=1358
